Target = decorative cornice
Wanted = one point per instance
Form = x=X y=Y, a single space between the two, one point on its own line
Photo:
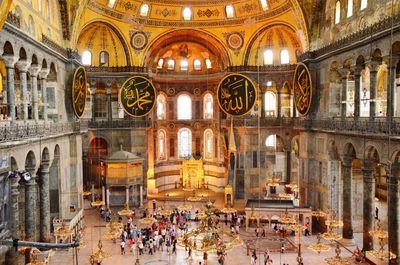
x=47 y=41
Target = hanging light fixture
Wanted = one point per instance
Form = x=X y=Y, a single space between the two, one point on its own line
x=319 y=213
x=382 y=235
x=287 y=219
x=99 y=255
x=126 y=211
x=337 y=260
x=319 y=246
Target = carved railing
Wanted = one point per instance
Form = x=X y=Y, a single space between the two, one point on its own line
x=14 y=20
x=118 y=124
x=378 y=27
x=47 y=41
x=264 y=68
x=18 y=132
x=116 y=69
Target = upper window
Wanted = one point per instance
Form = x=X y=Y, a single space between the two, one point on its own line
x=171 y=64
x=184 y=65
x=184 y=107
x=230 y=13
x=111 y=3
x=268 y=57
x=161 y=145
x=160 y=63
x=87 y=58
x=104 y=58
x=349 y=8
x=271 y=141
x=208 y=63
x=269 y=83
x=187 y=13
x=208 y=106
x=364 y=4
x=337 y=12
x=208 y=144
x=197 y=64
x=285 y=57
x=144 y=10
x=184 y=142
x=161 y=107
x=264 y=5
x=270 y=104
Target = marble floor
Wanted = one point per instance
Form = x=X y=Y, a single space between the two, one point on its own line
x=95 y=228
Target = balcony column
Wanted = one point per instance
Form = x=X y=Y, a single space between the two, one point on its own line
x=92 y=92
x=390 y=89
x=279 y=111
x=357 y=83
x=34 y=72
x=372 y=90
x=43 y=78
x=109 y=102
x=393 y=209
x=262 y=99
x=368 y=204
x=30 y=206
x=344 y=79
x=141 y=195
x=23 y=66
x=127 y=195
x=9 y=61
x=45 y=201
x=347 y=198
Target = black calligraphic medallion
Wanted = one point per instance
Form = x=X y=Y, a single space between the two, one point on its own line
x=79 y=91
x=236 y=94
x=137 y=96
x=302 y=87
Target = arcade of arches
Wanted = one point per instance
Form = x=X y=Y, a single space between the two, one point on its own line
x=342 y=158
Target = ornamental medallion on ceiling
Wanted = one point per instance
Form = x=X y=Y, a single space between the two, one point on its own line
x=236 y=94
x=139 y=40
x=137 y=96
x=79 y=91
x=234 y=40
x=302 y=89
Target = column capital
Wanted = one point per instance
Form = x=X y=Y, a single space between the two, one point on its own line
x=344 y=72
x=392 y=62
x=373 y=66
x=23 y=65
x=347 y=161
x=92 y=90
x=395 y=170
x=9 y=60
x=44 y=73
x=109 y=90
x=34 y=69
x=367 y=165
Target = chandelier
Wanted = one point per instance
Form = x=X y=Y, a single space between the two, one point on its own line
x=319 y=213
x=287 y=219
x=291 y=186
x=147 y=221
x=99 y=255
x=228 y=210
x=337 y=260
x=381 y=234
x=97 y=203
x=126 y=211
x=285 y=195
x=273 y=181
x=63 y=231
x=86 y=193
x=333 y=221
x=194 y=198
x=319 y=247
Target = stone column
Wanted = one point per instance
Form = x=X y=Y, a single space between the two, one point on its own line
x=9 y=62
x=279 y=111
x=141 y=195
x=127 y=195
x=288 y=164
x=368 y=206
x=44 y=202
x=109 y=107
x=372 y=90
x=108 y=196
x=34 y=72
x=344 y=95
x=390 y=90
x=12 y=256
x=347 y=198
x=43 y=77
x=357 y=82
x=23 y=69
x=103 y=193
x=393 y=210
x=30 y=207
x=92 y=91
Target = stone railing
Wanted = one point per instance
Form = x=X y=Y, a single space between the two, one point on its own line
x=264 y=68
x=57 y=48
x=18 y=132
x=118 y=124
x=116 y=69
x=380 y=26
x=14 y=20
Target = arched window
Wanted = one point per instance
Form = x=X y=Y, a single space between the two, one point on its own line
x=87 y=58
x=349 y=8
x=337 y=12
x=184 y=65
x=229 y=11
x=184 y=107
x=271 y=141
x=161 y=145
x=161 y=107
x=40 y=6
x=171 y=64
x=111 y=3
x=104 y=58
x=268 y=57
x=184 y=143
x=208 y=63
x=144 y=10
x=208 y=144
x=208 y=106
x=197 y=64
x=270 y=104
x=31 y=26
x=160 y=63
x=264 y=5
x=187 y=13
x=364 y=4
x=47 y=9
x=285 y=59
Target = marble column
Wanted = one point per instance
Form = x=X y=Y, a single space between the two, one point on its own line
x=43 y=78
x=344 y=97
x=108 y=196
x=9 y=62
x=103 y=193
x=30 y=208
x=34 y=72
x=368 y=205
x=23 y=66
x=393 y=210
x=372 y=91
x=288 y=165
x=127 y=195
x=347 y=198
x=44 y=202
x=92 y=92
x=141 y=195
x=357 y=83
x=279 y=111
x=109 y=102
x=12 y=256
x=390 y=91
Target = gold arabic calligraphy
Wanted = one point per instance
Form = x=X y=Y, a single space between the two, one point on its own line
x=302 y=89
x=137 y=96
x=79 y=91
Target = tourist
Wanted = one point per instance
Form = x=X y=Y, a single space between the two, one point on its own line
x=174 y=246
x=123 y=247
x=168 y=243
x=357 y=254
x=205 y=258
x=307 y=229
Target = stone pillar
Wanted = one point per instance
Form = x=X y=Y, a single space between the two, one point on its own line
x=279 y=111
x=127 y=195
x=393 y=210
x=103 y=193
x=141 y=195
x=344 y=96
x=357 y=82
x=34 y=71
x=347 y=198
x=108 y=196
x=288 y=165
x=92 y=92
x=372 y=90
x=30 y=207
x=9 y=62
x=368 y=206
x=390 y=90
x=23 y=69
x=109 y=102
x=93 y=193
x=12 y=256
x=44 y=202
x=43 y=77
